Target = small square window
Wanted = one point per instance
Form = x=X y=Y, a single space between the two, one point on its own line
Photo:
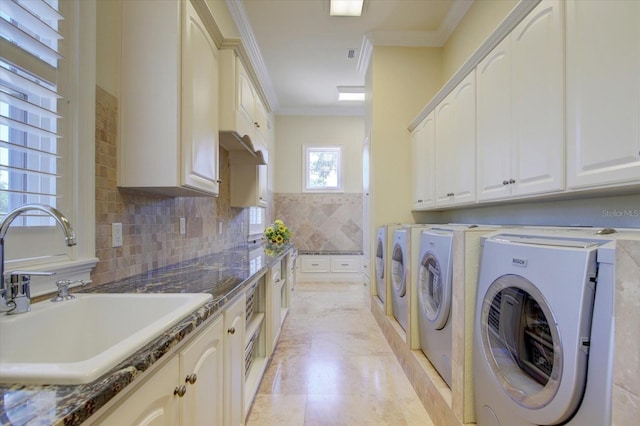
x=322 y=168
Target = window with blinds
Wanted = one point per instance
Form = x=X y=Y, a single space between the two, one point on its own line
x=30 y=152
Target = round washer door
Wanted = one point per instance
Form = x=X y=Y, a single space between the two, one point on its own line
x=521 y=342
x=380 y=259
x=434 y=292
x=398 y=271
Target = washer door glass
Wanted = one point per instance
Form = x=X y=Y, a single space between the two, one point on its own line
x=380 y=259
x=397 y=271
x=521 y=341
x=434 y=293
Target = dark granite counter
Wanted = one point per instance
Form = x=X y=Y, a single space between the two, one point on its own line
x=329 y=253
x=224 y=275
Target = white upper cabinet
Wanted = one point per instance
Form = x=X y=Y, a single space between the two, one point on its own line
x=243 y=117
x=603 y=93
x=455 y=145
x=520 y=107
x=494 y=126
x=169 y=101
x=423 y=152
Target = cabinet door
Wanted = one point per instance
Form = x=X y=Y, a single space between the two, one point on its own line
x=203 y=361
x=246 y=103
x=276 y=307
x=445 y=126
x=538 y=102
x=456 y=145
x=152 y=404
x=423 y=152
x=603 y=93
x=494 y=134
x=200 y=99
x=234 y=325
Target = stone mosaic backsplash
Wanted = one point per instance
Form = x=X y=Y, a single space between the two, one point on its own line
x=150 y=223
x=322 y=222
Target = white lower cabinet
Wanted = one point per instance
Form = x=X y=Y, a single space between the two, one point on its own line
x=202 y=372
x=214 y=376
x=603 y=93
x=234 y=346
x=186 y=390
x=274 y=296
x=334 y=267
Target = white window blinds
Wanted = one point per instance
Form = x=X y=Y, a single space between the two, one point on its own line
x=30 y=157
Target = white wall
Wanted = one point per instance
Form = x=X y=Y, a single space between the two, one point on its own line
x=292 y=132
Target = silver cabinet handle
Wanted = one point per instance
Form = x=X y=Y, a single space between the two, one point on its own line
x=180 y=391
x=512 y=181
x=505 y=182
x=231 y=330
x=191 y=378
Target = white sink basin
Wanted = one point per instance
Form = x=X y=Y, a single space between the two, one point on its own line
x=77 y=341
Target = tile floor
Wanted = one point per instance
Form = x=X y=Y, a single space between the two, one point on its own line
x=333 y=366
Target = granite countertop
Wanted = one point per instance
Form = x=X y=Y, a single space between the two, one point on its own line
x=224 y=275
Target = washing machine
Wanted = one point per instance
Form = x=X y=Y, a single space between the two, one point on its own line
x=435 y=290
x=384 y=241
x=399 y=267
x=544 y=329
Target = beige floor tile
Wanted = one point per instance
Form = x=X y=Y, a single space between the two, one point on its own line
x=333 y=366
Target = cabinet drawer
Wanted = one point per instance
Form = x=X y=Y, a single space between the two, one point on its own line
x=345 y=264
x=314 y=264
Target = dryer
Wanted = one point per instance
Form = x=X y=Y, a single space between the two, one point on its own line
x=384 y=241
x=544 y=329
x=448 y=251
x=399 y=266
x=434 y=292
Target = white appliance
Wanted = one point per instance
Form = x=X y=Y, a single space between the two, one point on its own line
x=434 y=293
x=381 y=273
x=382 y=262
x=399 y=266
x=544 y=329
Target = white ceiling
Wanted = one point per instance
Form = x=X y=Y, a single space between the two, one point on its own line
x=300 y=52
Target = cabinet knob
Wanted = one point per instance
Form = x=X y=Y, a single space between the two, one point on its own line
x=419 y=201
x=450 y=194
x=218 y=180
x=191 y=378
x=505 y=182
x=231 y=330
x=512 y=181
x=180 y=391
x=256 y=124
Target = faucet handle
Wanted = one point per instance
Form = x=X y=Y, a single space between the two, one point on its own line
x=18 y=290
x=63 y=290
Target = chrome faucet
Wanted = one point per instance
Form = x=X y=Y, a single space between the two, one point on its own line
x=15 y=293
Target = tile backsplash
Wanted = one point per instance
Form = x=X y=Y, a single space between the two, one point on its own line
x=150 y=223
x=322 y=222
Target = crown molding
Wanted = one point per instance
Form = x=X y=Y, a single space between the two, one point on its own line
x=436 y=38
x=249 y=51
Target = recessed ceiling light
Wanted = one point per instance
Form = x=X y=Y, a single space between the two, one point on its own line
x=350 y=93
x=346 y=7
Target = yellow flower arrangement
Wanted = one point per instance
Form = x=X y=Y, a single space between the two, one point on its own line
x=277 y=233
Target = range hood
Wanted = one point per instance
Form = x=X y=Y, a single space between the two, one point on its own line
x=242 y=150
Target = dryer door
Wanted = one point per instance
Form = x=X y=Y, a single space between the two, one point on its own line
x=521 y=342
x=398 y=271
x=380 y=258
x=434 y=293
